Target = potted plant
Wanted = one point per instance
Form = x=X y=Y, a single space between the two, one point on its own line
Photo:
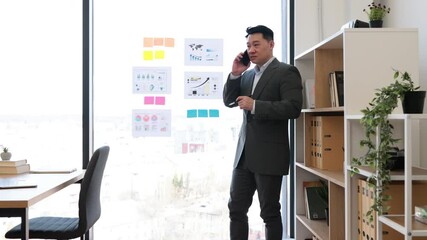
x=376 y=13
x=375 y=122
x=5 y=155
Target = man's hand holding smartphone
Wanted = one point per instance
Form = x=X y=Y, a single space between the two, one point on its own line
x=241 y=63
x=245 y=58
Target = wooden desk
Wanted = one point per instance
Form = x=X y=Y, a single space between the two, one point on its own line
x=16 y=202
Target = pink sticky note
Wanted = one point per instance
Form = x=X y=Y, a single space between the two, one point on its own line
x=148 y=100
x=160 y=100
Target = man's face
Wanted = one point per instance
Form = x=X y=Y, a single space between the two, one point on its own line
x=259 y=49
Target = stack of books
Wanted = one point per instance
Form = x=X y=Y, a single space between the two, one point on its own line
x=336 y=88
x=14 y=167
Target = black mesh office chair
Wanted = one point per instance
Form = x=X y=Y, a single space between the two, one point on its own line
x=89 y=207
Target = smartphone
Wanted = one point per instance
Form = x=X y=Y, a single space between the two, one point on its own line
x=245 y=59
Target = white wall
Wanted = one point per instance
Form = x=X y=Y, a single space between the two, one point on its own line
x=410 y=14
x=317 y=19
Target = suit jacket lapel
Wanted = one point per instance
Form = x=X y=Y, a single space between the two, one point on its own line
x=266 y=76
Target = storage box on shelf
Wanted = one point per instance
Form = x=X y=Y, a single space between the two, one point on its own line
x=366 y=66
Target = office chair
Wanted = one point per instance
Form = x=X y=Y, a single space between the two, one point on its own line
x=89 y=207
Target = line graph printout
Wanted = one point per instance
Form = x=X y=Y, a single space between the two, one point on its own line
x=148 y=80
x=204 y=85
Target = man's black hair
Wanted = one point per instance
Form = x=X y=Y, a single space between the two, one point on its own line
x=266 y=32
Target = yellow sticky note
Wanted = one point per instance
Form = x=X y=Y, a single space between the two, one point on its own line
x=148 y=55
x=169 y=42
x=148 y=42
x=159 y=54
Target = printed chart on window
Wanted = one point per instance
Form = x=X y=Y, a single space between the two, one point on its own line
x=151 y=80
x=151 y=123
x=206 y=85
x=203 y=52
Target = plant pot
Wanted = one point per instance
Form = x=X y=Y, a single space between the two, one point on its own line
x=5 y=156
x=376 y=23
x=413 y=102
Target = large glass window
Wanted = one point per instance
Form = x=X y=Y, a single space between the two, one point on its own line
x=41 y=86
x=173 y=186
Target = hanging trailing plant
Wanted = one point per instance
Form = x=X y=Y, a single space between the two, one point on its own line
x=375 y=121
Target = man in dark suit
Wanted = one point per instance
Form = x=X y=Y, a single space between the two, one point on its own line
x=270 y=94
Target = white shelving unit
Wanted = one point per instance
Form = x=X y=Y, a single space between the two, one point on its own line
x=412 y=129
x=367 y=57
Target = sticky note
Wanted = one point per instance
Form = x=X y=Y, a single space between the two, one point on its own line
x=158 y=41
x=202 y=113
x=169 y=42
x=148 y=100
x=184 y=148
x=148 y=42
x=191 y=113
x=148 y=55
x=159 y=54
x=160 y=100
x=213 y=113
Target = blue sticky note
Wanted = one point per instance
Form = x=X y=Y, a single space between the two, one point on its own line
x=191 y=113
x=213 y=113
x=202 y=113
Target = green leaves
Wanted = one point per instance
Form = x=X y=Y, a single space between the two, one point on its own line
x=375 y=121
x=376 y=11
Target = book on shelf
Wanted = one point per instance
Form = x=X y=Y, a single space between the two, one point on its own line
x=316 y=207
x=366 y=199
x=306 y=184
x=12 y=163
x=360 y=228
x=339 y=84
x=15 y=169
x=331 y=82
x=327 y=150
x=309 y=93
x=372 y=224
x=336 y=88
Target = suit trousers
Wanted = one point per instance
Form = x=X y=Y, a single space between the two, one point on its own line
x=244 y=183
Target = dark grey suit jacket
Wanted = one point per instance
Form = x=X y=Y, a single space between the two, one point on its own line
x=264 y=135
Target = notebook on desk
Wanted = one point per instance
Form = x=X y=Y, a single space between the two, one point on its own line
x=13 y=183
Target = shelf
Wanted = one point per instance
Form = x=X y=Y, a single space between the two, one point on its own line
x=392 y=116
x=333 y=42
x=323 y=110
x=337 y=177
x=342 y=51
x=398 y=223
x=318 y=227
x=418 y=174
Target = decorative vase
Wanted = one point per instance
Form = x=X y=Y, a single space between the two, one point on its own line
x=413 y=102
x=376 y=23
x=5 y=156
